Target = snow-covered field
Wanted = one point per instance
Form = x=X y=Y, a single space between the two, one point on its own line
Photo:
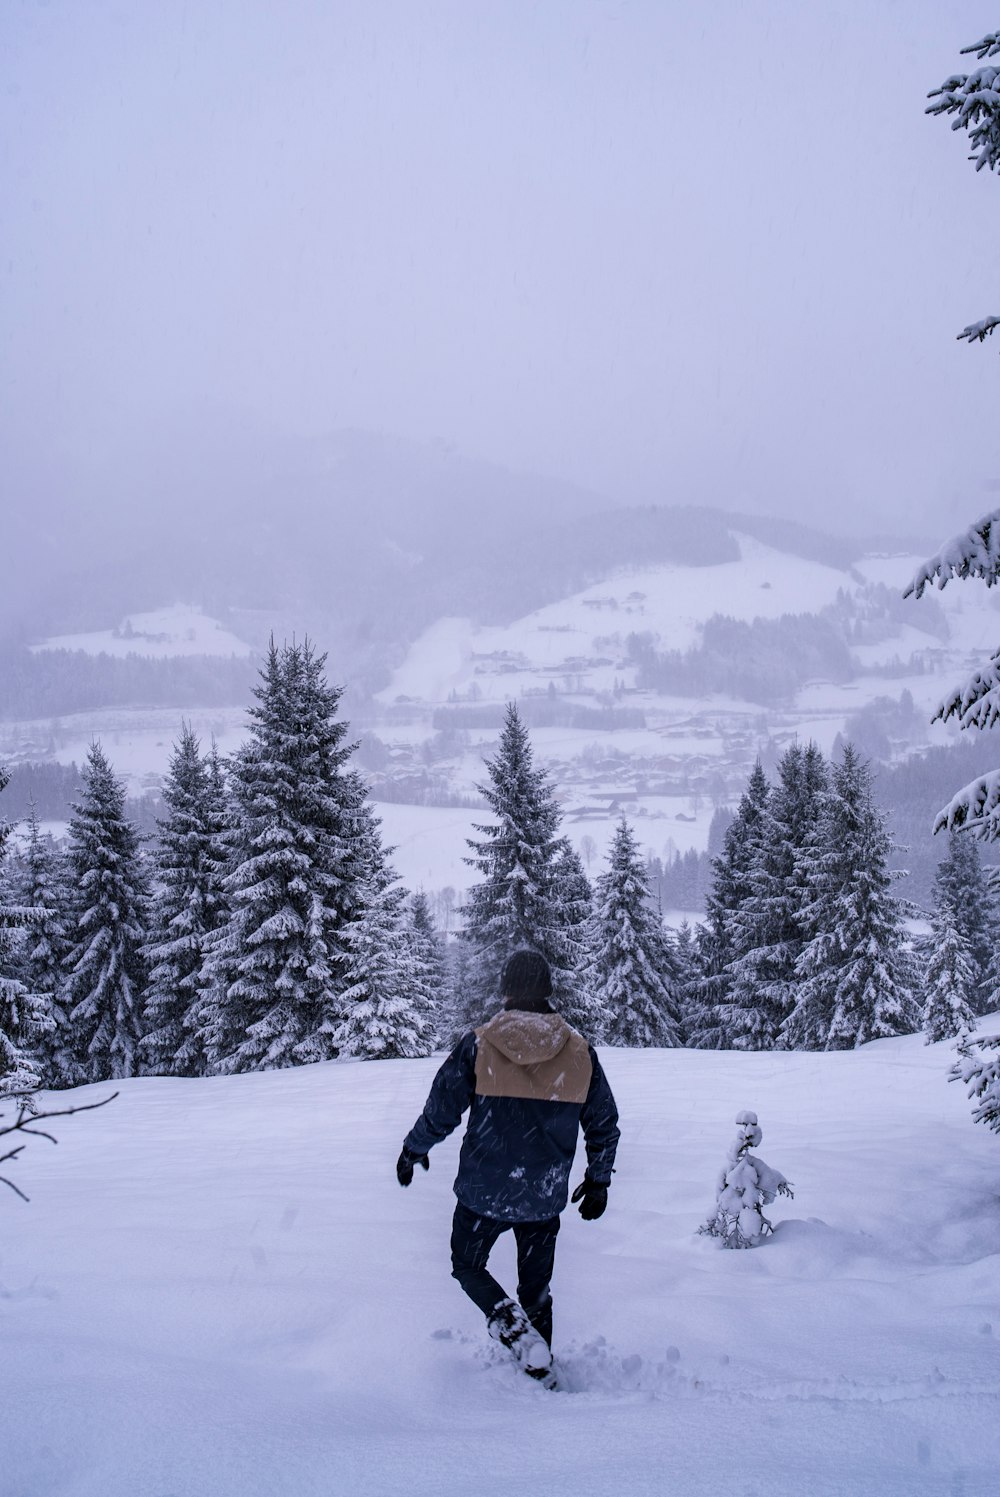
x=219 y=1290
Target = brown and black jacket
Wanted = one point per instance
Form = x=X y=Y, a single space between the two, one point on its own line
x=530 y=1083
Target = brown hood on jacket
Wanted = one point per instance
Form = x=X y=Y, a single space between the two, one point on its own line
x=527 y=1038
x=532 y=1055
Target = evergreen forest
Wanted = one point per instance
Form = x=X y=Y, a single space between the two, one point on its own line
x=261 y=924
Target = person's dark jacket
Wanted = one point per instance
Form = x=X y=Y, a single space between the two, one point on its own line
x=530 y=1082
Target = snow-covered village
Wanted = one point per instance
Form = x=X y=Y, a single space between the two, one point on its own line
x=499 y=817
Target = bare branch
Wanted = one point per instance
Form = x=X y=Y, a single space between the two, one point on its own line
x=62 y=1112
x=25 y=1123
x=15 y=1188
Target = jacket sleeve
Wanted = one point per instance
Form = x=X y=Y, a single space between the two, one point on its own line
x=452 y=1091
x=599 y=1121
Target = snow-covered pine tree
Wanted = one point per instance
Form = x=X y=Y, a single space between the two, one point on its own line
x=386 y=1003
x=464 y=1009
x=428 y=949
x=974 y=99
x=22 y=1015
x=856 y=978
x=976 y=704
x=298 y=842
x=961 y=882
x=516 y=903
x=745 y=1184
x=767 y=924
x=950 y=976
x=106 y=971
x=978 y=1065
x=574 y=899
x=43 y=890
x=690 y=971
x=629 y=975
x=574 y=896
x=187 y=905
x=708 y=1011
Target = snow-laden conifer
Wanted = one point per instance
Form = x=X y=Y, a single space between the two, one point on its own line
x=629 y=974
x=689 y=967
x=44 y=893
x=708 y=1012
x=297 y=841
x=430 y=963
x=428 y=945
x=978 y=1066
x=745 y=1185
x=187 y=905
x=23 y=1016
x=961 y=883
x=950 y=978
x=386 y=1003
x=976 y=703
x=515 y=903
x=105 y=965
x=855 y=973
x=573 y=898
x=465 y=1008
x=574 y=901
x=974 y=99
x=769 y=924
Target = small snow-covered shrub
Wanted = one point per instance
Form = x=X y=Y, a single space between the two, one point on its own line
x=745 y=1184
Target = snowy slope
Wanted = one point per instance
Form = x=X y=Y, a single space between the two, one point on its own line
x=671 y=601
x=219 y=1290
x=178 y=630
x=578 y=643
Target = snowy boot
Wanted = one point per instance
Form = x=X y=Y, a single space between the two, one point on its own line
x=511 y=1327
x=541 y=1318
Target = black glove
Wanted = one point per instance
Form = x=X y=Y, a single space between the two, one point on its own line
x=593 y=1198
x=405 y=1163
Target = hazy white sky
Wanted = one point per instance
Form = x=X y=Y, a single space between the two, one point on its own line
x=672 y=251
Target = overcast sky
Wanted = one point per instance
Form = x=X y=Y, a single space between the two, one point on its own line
x=672 y=251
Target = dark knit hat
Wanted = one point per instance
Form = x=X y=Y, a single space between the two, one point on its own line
x=526 y=975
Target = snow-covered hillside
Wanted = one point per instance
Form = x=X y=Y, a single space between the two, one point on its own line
x=166 y=632
x=219 y=1290
x=578 y=641
x=610 y=743
x=566 y=638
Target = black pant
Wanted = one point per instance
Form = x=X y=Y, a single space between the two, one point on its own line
x=473 y=1239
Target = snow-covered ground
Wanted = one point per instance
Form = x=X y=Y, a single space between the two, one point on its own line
x=219 y=1290
x=178 y=630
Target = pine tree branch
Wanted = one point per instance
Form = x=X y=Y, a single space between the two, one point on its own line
x=978 y=332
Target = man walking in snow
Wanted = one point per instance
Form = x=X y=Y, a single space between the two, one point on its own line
x=530 y=1082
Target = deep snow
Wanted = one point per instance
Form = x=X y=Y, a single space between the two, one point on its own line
x=219 y=1288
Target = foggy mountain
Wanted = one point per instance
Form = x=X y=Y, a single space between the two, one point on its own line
x=361 y=540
